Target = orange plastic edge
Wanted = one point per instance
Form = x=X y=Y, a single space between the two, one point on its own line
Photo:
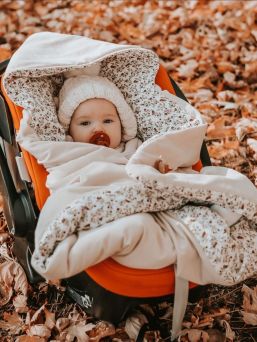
x=37 y=172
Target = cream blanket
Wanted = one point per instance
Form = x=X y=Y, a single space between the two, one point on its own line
x=108 y=202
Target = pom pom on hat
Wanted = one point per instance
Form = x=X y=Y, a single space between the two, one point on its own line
x=78 y=89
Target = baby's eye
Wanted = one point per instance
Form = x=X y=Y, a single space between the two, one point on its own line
x=108 y=121
x=85 y=123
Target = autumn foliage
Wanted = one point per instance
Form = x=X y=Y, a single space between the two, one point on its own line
x=210 y=49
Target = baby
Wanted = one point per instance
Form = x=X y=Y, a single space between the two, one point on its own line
x=93 y=110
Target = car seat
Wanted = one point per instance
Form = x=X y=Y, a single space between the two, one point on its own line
x=100 y=287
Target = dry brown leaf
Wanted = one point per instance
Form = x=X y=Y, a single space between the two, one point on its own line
x=252 y=143
x=245 y=127
x=4 y=237
x=203 y=95
x=102 y=329
x=205 y=320
x=12 y=279
x=12 y=322
x=134 y=324
x=216 y=335
x=249 y=318
x=50 y=319
x=40 y=9
x=39 y=330
x=42 y=316
x=194 y=335
x=227 y=95
x=74 y=326
x=62 y=323
x=249 y=305
x=247 y=109
x=20 y=303
x=198 y=83
x=188 y=69
x=150 y=24
x=230 y=334
x=26 y=338
x=198 y=309
x=219 y=128
x=4 y=54
x=77 y=330
x=225 y=105
x=4 y=233
x=224 y=66
x=250 y=69
x=227 y=153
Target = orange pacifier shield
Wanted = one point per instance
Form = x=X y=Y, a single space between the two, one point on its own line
x=100 y=138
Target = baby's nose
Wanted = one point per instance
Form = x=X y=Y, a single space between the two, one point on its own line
x=98 y=126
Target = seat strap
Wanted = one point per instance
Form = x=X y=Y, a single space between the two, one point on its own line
x=180 y=304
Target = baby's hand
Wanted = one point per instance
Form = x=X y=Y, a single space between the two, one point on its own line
x=161 y=167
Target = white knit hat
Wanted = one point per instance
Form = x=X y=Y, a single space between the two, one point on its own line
x=78 y=89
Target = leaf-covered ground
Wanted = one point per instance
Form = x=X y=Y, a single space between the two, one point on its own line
x=210 y=49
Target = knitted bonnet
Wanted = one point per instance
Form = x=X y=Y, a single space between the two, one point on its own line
x=76 y=90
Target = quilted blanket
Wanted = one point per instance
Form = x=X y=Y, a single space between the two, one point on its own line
x=114 y=203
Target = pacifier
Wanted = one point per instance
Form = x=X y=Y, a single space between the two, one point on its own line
x=100 y=138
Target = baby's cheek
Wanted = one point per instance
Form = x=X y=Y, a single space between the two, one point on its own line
x=85 y=133
x=78 y=134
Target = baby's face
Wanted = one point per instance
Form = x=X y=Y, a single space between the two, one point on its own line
x=96 y=121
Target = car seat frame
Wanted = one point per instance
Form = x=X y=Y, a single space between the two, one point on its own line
x=21 y=214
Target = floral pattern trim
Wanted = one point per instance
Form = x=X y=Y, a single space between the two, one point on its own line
x=97 y=208
x=133 y=72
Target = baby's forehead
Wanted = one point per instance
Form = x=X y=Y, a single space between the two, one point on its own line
x=96 y=107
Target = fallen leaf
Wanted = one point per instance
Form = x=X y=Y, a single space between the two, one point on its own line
x=49 y=319
x=74 y=326
x=26 y=338
x=62 y=323
x=4 y=54
x=249 y=318
x=203 y=95
x=227 y=95
x=219 y=128
x=194 y=335
x=249 y=305
x=230 y=334
x=13 y=323
x=78 y=331
x=245 y=127
x=20 y=303
x=134 y=324
x=215 y=335
x=102 y=329
x=252 y=143
x=4 y=237
x=12 y=279
x=225 y=105
x=224 y=66
x=188 y=69
x=39 y=330
x=198 y=309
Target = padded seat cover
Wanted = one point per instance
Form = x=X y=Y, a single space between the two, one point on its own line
x=109 y=274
